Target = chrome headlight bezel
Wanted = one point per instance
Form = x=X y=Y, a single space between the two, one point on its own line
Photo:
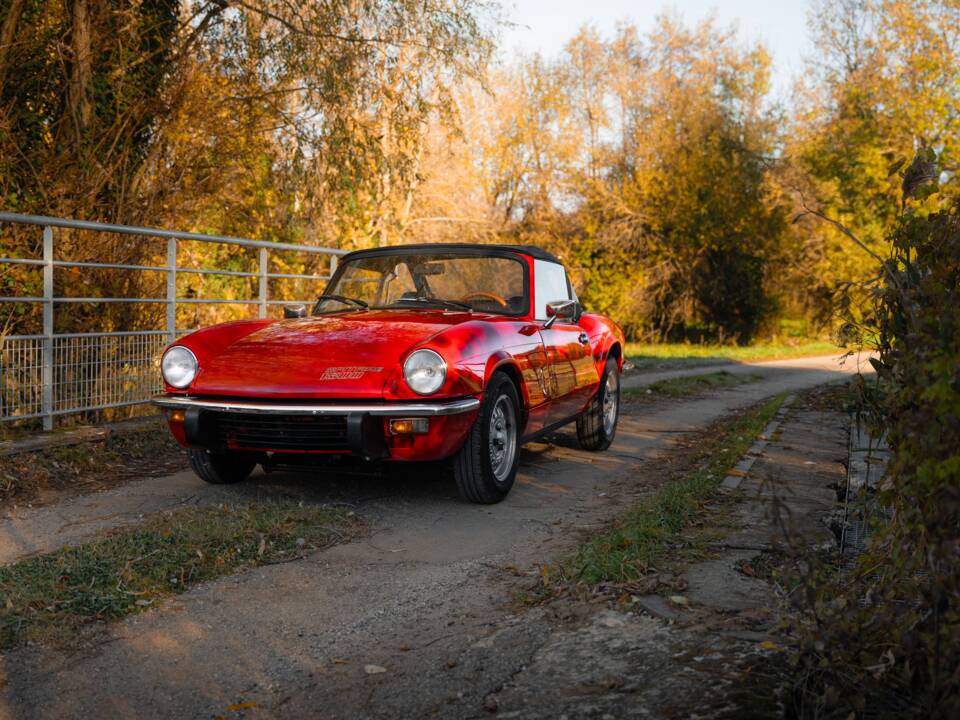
x=425 y=371
x=184 y=358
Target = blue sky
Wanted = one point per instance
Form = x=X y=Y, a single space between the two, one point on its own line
x=545 y=25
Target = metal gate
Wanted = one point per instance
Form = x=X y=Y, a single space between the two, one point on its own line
x=50 y=374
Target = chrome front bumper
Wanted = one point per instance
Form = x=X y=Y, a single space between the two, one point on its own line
x=359 y=430
x=272 y=407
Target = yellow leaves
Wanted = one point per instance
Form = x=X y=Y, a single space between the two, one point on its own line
x=236 y=707
x=929 y=205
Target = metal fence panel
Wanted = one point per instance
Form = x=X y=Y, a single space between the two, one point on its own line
x=46 y=375
x=91 y=372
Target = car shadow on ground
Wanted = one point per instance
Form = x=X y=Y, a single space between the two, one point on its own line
x=338 y=484
x=352 y=484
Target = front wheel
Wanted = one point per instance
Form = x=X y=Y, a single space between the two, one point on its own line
x=597 y=426
x=224 y=469
x=486 y=465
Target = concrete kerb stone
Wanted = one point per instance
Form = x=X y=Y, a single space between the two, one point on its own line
x=742 y=468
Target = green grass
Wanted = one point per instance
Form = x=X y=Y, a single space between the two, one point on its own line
x=49 y=597
x=635 y=542
x=669 y=355
x=682 y=387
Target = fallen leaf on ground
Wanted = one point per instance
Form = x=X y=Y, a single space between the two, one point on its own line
x=241 y=706
x=374 y=669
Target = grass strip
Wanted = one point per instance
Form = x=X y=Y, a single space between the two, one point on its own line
x=668 y=355
x=632 y=546
x=682 y=387
x=48 y=597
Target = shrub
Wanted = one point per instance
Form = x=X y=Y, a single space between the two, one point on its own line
x=885 y=640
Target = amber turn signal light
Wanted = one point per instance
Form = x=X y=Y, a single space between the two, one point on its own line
x=177 y=416
x=407 y=426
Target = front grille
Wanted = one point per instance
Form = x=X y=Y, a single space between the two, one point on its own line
x=292 y=433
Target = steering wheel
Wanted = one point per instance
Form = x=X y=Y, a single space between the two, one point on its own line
x=499 y=299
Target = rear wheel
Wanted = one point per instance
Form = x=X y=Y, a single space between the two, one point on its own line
x=597 y=426
x=223 y=469
x=486 y=465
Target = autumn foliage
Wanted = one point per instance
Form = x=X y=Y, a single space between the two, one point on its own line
x=658 y=164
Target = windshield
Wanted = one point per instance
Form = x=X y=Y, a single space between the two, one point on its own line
x=450 y=280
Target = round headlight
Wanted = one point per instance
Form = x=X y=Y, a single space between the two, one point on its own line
x=179 y=366
x=424 y=371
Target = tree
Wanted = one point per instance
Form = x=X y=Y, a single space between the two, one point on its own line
x=294 y=121
x=885 y=84
x=611 y=156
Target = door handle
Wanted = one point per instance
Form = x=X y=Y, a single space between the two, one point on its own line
x=584 y=340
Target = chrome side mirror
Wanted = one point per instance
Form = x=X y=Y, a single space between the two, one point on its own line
x=560 y=309
x=295 y=311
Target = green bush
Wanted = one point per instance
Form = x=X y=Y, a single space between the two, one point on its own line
x=919 y=344
x=885 y=640
x=731 y=294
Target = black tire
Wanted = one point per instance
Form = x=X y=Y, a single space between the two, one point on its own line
x=592 y=432
x=224 y=469
x=474 y=468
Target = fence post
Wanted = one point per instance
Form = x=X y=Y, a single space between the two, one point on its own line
x=333 y=264
x=47 y=372
x=171 y=289
x=264 y=265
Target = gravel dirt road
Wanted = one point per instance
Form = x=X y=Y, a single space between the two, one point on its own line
x=414 y=620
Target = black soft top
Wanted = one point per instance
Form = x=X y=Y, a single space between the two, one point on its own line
x=478 y=248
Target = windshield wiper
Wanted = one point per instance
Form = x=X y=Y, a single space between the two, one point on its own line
x=438 y=301
x=345 y=300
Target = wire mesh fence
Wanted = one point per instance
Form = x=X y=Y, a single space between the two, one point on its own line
x=89 y=372
x=21 y=367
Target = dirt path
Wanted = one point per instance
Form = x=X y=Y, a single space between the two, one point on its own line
x=425 y=597
x=765 y=368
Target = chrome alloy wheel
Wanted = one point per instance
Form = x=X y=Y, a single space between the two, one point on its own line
x=503 y=437
x=611 y=398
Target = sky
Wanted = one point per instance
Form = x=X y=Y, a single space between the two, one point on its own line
x=545 y=25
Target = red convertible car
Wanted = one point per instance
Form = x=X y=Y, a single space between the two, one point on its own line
x=418 y=352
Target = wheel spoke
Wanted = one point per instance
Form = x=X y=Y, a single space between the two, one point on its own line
x=503 y=437
x=610 y=401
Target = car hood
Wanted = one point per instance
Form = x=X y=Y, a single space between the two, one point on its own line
x=335 y=356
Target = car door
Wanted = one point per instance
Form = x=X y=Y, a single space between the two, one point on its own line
x=570 y=374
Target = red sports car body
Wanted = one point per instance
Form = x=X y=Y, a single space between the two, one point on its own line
x=418 y=352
